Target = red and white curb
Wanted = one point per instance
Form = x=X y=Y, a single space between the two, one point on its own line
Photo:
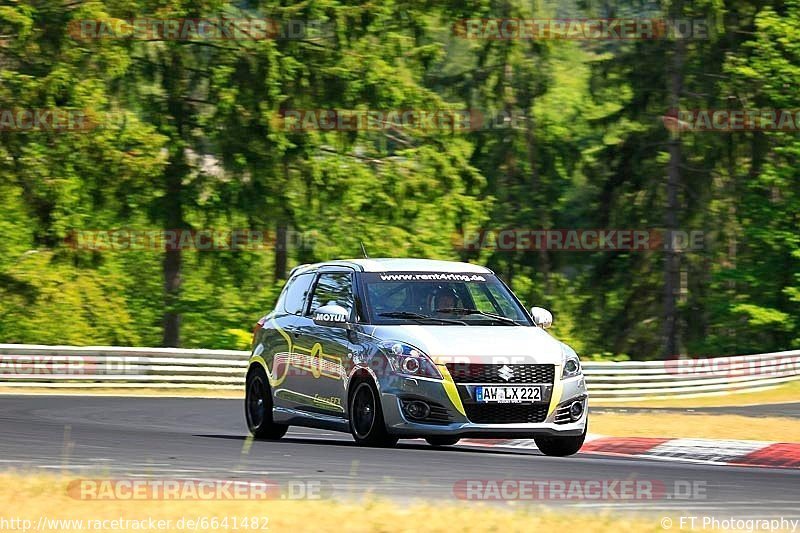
x=704 y=451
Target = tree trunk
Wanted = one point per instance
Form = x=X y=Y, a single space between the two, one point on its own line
x=671 y=333
x=177 y=169
x=541 y=222
x=281 y=244
x=173 y=221
x=281 y=236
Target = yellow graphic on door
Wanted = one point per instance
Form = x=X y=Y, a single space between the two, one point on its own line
x=313 y=360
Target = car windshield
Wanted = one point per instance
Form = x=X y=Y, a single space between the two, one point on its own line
x=448 y=299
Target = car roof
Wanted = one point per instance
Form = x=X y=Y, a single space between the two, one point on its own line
x=389 y=264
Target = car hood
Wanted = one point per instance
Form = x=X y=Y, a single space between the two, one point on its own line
x=477 y=344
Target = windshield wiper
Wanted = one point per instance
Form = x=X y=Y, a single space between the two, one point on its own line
x=417 y=316
x=469 y=311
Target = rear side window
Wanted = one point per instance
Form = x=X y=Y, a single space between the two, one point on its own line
x=295 y=294
x=333 y=288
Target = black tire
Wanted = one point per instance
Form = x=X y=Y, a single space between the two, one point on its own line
x=560 y=446
x=366 y=416
x=258 y=407
x=442 y=441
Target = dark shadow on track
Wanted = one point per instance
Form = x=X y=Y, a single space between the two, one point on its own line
x=400 y=445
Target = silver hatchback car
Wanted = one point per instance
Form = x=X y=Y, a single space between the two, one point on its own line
x=412 y=348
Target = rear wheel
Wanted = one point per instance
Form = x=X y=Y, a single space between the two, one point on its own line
x=258 y=407
x=442 y=441
x=366 y=417
x=560 y=446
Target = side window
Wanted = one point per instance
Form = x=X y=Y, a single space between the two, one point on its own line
x=295 y=294
x=503 y=302
x=488 y=299
x=333 y=287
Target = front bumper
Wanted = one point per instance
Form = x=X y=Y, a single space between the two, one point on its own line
x=447 y=394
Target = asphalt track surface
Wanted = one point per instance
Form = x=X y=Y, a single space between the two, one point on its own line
x=187 y=438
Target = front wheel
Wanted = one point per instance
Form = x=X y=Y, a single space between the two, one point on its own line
x=560 y=446
x=258 y=407
x=366 y=417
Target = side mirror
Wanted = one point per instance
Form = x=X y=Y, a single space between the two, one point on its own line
x=331 y=315
x=542 y=317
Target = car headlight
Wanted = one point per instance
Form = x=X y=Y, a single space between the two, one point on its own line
x=570 y=362
x=405 y=359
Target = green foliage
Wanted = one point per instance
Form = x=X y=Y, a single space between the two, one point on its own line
x=189 y=136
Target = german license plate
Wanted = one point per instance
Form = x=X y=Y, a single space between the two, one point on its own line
x=516 y=394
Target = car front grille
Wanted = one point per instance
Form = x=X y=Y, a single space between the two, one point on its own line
x=497 y=373
x=504 y=413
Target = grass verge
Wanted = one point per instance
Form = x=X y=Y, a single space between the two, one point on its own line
x=29 y=497
x=133 y=392
x=695 y=425
x=788 y=392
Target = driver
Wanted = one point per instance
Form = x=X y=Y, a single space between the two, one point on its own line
x=445 y=298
